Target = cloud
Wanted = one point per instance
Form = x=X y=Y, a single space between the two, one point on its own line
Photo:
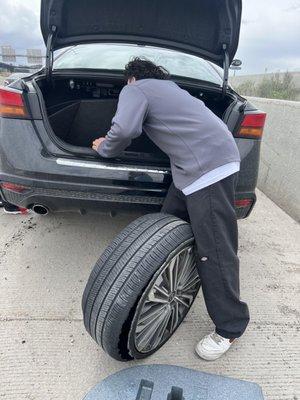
x=293 y=7
x=19 y=24
x=246 y=21
x=271 y=40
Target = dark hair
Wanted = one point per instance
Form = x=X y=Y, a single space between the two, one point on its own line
x=141 y=68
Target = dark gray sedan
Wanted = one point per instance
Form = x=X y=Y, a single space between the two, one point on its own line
x=49 y=120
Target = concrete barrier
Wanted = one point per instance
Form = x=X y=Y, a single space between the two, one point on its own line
x=279 y=176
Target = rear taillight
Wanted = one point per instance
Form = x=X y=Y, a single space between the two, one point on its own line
x=14 y=187
x=252 y=126
x=244 y=206
x=12 y=104
x=242 y=203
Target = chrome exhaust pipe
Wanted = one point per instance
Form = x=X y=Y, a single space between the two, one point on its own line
x=40 y=209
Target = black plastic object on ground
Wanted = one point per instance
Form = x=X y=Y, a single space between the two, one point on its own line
x=146 y=390
x=164 y=382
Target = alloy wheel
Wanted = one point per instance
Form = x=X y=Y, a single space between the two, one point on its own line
x=167 y=300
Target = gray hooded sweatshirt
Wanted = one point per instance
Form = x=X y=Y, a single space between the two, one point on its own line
x=193 y=137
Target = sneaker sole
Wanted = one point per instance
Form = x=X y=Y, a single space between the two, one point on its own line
x=22 y=211
x=12 y=212
x=207 y=358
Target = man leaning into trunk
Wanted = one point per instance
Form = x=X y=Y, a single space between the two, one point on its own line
x=205 y=162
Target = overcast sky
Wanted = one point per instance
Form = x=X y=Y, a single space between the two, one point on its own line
x=269 y=36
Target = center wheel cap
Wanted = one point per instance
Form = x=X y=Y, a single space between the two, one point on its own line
x=172 y=297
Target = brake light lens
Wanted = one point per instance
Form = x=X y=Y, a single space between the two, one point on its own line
x=252 y=126
x=243 y=207
x=12 y=104
x=13 y=187
x=242 y=203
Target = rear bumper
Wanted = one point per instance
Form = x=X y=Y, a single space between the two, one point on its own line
x=60 y=200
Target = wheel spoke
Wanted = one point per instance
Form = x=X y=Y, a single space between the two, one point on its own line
x=156 y=298
x=167 y=302
x=187 y=269
x=181 y=301
x=151 y=315
x=170 y=274
x=188 y=297
x=183 y=267
x=194 y=280
x=161 y=290
x=175 y=317
x=148 y=335
x=176 y=272
x=159 y=334
x=151 y=326
x=188 y=275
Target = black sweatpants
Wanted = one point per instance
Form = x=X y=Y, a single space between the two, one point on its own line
x=213 y=219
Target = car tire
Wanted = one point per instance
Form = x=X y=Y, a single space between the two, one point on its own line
x=143 y=284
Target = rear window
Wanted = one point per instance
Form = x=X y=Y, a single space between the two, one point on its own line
x=116 y=56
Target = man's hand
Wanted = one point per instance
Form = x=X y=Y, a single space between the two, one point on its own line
x=97 y=143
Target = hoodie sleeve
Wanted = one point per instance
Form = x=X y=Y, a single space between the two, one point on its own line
x=127 y=124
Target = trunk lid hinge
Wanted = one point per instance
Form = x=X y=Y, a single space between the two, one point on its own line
x=226 y=66
x=49 y=53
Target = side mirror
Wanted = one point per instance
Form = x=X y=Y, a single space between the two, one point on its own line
x=236 y=63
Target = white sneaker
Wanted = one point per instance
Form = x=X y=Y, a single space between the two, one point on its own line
x=213 y=346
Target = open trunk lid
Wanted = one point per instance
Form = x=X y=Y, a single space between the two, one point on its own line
x=206 y=28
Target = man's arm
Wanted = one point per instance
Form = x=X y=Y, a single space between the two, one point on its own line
x=127 y=124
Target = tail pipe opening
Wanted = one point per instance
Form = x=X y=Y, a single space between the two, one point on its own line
x=40 y=209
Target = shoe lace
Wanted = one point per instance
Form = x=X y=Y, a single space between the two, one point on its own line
x=216 y=338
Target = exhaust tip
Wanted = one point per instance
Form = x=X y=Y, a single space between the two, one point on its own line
x=40 y=209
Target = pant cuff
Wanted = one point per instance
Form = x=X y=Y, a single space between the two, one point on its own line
x=228 y=335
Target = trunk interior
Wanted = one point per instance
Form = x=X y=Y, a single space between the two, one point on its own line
x=80 y=110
